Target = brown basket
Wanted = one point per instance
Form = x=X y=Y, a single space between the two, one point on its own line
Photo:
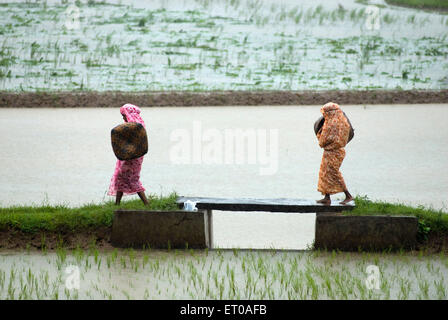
x=129 y=141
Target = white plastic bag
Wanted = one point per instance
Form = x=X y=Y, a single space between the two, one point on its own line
x=190 y=206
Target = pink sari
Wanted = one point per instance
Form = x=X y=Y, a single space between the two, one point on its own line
x=126 y=176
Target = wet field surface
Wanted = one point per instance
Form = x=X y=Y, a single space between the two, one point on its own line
x=220 y=45
x=237 y=274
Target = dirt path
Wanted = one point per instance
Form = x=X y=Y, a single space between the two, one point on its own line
x=216 y=98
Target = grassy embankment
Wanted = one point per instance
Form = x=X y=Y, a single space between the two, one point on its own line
x=421 y=4
x=433 y=224
x=30 y=222
x=32 y=219
x=51 y=227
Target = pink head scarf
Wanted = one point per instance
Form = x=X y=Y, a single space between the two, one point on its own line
x=132 y=113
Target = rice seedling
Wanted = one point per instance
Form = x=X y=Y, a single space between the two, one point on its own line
x=424 y=289
x=440 y=288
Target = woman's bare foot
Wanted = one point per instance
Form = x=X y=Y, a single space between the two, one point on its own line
x=143 y=198
x=346 y=200
x=348 y=197
x=118 y=198
x=326 y=200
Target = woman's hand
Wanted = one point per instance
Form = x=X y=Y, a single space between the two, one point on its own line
x=318 y=134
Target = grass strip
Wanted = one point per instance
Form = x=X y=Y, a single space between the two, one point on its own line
x=430 y=220
x=61 y=218
x=421 y=4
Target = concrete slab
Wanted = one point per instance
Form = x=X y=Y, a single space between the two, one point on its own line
x=350 y=233
x=272 y=205
x=161 y=229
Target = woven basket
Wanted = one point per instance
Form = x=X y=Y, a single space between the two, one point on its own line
x=129 y=141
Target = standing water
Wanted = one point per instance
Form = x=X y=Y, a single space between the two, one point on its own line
x=398 y=154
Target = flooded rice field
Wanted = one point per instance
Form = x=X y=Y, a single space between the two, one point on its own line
x=219 y=45
x=246 y=274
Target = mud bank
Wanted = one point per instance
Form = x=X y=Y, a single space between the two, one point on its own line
x=116 y=99
x=101 y=238
x=441 y=7
x=17 y=239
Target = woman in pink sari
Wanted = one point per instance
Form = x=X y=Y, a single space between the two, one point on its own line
x=126 y=178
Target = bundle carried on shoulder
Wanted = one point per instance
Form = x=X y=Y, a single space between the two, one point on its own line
x=320 y=123
x=129 y=141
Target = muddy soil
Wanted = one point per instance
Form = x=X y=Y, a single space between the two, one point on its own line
x=100 y=238
x=217 y=98
x=14 y=239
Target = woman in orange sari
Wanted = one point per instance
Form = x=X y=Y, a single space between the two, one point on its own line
x=333 y=137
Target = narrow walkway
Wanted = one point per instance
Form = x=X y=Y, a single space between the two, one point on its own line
x=272 y=205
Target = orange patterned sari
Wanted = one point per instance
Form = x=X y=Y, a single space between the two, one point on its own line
x=332 y=138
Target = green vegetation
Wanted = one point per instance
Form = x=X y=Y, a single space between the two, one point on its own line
x=60 y=218
x=421 y=4
x=222 y=274
x=430 y=220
